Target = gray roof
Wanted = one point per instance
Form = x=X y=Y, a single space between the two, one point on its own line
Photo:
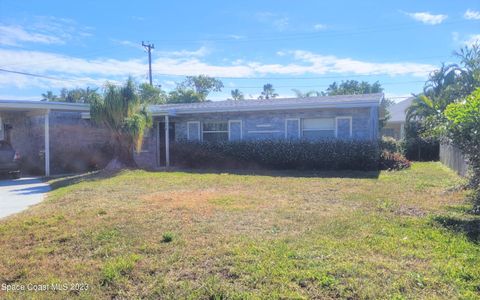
x=398 y=110
x=42 y=105
x=366 y=100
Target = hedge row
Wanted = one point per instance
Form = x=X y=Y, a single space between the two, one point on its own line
x=305 y=155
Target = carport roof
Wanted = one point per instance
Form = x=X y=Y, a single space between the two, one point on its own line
x=26 y=105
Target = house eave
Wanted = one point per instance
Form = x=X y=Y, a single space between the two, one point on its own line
x=172 y=112
x=25 y=105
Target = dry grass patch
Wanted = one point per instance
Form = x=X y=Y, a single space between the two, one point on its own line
x=280 y=235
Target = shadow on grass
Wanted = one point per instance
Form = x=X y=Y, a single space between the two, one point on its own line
x=470 y=227
x=59 y=182
x=285 y=173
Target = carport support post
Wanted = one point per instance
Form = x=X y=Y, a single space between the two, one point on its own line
x=47 y=143
x=167 y=143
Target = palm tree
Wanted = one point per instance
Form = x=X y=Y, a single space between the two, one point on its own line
x=237 y=94
x=441 y=89
x=123 y=113
x=268 y=92
x=49 y=96
x=312 y=93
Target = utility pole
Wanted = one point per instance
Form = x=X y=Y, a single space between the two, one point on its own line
x=149 y=48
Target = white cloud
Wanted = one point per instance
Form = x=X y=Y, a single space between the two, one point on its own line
x=428 y=18
x=42 y=30
x=277 y=21
x=319 y=27
x=13 y=35
x=473 y=39
x=236 y=36
x=281 y=23
x=472 y=15
x=83 y=72
x=200 y=52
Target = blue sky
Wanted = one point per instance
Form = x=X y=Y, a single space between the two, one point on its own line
x=292 y=44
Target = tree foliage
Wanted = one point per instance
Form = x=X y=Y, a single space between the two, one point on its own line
x=237 y=94
x=351 y=87
x=463 y=129
x=194 y=89
x=123 y=112
x=151 y=94
x=300 y=94
x=268 y=92
x=77 y=95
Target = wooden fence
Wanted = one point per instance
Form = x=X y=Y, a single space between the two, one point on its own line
x=453 y=158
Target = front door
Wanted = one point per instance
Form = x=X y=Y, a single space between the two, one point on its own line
x=161 y=141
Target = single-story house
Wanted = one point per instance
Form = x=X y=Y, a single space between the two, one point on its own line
x=395 y=126
x=60 y=133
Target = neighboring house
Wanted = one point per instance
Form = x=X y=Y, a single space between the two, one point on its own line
x=316 y=118
x=395 y=126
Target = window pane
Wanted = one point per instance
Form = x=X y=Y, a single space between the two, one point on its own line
x=343 y=128
x=215 y=136
x=215 y=126
x=318 y=134
x=319 y=124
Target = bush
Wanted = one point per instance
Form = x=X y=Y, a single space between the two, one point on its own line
x=420 y=149
x=389 y=144
x=88 y=158
x=463 y=128
x=277 y=154
x=416 y=147
x=393 y=161
x=167 y=237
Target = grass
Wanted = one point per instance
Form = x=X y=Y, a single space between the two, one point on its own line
x=290 y=235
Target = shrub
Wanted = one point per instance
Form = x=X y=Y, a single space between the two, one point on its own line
x=393 y=161
x=389 y=144
x=167 y=237
x=277 y=154
x=416 y=147
x=463 y=129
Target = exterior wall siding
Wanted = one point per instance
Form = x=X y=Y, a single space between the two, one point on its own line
x=75 y=143
x=271 y=125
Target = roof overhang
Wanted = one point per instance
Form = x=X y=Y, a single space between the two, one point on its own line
x=18 y=105
x=157 y=111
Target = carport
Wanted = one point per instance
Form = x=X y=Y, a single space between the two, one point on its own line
x=36 y=108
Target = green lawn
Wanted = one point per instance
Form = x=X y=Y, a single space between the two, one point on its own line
x=138 y=234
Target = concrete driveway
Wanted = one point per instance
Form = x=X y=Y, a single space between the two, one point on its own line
x=17 y=195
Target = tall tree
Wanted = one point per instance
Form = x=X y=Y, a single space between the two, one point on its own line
x=49 y=96
x=442 y=88
x=77 y=95
x=312 y=93
x=268 y=92
x=351 y=87
x=237 y=94
x=182 y=95
x=203 y=85
x=125 y=115
x=151 y=94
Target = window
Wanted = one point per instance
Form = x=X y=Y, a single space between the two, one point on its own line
x=315 y=129
x=215 y=131
x=193 y=131
x=344 y=127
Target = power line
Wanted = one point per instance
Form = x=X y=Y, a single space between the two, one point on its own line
x=257 y=38
x=364 y=30
x=240 y=87
x=45 y=76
